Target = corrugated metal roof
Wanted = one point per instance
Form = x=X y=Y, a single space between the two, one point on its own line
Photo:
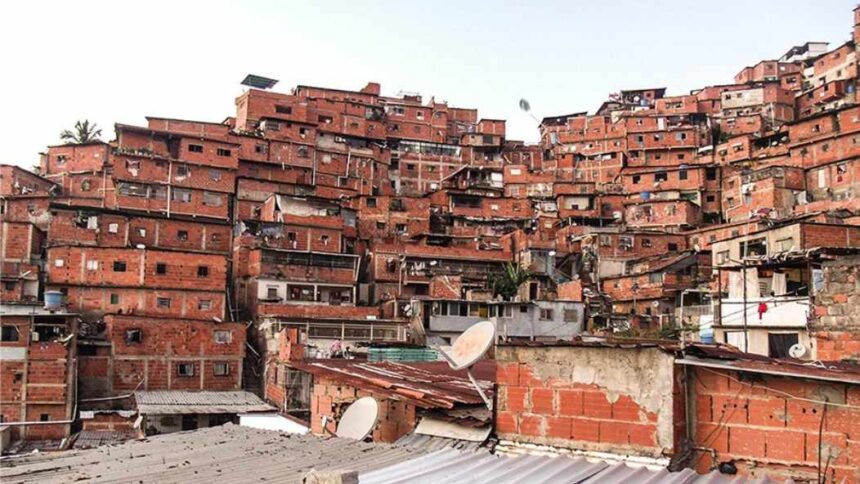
x=171 y=402
x=240 y=454
x=229 y=453
x=452 y=466
x=88 y=439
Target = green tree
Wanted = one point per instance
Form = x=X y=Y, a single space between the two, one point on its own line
x=509 y=282
x=83 y=132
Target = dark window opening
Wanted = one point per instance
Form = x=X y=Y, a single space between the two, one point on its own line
x=119 y=266
x=779 y=344
x=161 y=268
x=195 y=148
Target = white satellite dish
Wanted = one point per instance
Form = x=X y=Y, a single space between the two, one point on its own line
x=655 y=304
x=797 y=351
x=359 y=419
x=469 y=348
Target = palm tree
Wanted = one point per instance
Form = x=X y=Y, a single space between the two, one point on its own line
x=84 y=132
x=510 y=281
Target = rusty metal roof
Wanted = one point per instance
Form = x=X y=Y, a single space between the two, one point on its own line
x=429 y=385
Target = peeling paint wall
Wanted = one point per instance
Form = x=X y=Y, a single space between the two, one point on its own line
x=602 y=399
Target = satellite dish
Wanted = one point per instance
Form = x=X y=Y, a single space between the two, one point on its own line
x=472 y=345
x=359 y=419
x=525 y=106
x=655 y=304
x=469 y=348
x=797 y=351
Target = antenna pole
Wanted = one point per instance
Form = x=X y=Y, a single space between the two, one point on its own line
x=486 y=400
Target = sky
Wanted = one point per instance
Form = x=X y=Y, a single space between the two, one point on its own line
x=117 y=62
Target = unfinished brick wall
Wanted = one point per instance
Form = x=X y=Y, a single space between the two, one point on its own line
x=150 y=361
x=836 y=324
x=331 y=398
x=756 y=422
x=597 y=399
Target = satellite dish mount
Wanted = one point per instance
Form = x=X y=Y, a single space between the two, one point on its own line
x=469 y=348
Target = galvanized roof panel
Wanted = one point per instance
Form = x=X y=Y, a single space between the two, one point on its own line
x=172 y=402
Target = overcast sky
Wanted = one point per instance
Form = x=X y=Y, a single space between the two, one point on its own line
x=120 y=61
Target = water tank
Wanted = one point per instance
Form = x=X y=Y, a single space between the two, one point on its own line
x=645 y=195
x=53 y=300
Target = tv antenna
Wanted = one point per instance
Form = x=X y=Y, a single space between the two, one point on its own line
x=469 y=348
x=358 y=421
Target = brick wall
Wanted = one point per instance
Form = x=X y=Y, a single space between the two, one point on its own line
x=151 y=363
x=599 y=399
x=331 y=398
x=836 y=324
x=754 y=423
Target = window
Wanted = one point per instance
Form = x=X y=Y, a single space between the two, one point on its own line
x=181 y=195
x=546 y=314
x=114 y=298
x=215 y=175
x=400 y=228
x=182 y=235
x=672 y=246
x=221 y=368
x=682 y=175
x=659 y=177
x=92 y=265
x=9 y=333
x=646 y=242
x=212 y=199
x=655 y=278
x=680 y=136
x=711 y=174
x=204 y=304
x=370 y=202
x=86 y=185
x=195 y=148
x=261 y=149
x=223 y=152
x=133 y=336
x=380 y=225
x=185 y=369
x=162 y=302
x=283 y=109
x=59 y=263
x=272 y=293
x=45 y=417
x=722 y=257
x=223 y=337
x=710 y=198
x=161 y=268
x=202 y=271
x=119 y=266
x=636 y=179
x=113 y=228
x=779 y=343
x=324 y=239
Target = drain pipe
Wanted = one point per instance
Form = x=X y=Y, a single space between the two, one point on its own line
x=50 y=422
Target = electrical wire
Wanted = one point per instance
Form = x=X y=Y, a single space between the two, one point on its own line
x=788 y=395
